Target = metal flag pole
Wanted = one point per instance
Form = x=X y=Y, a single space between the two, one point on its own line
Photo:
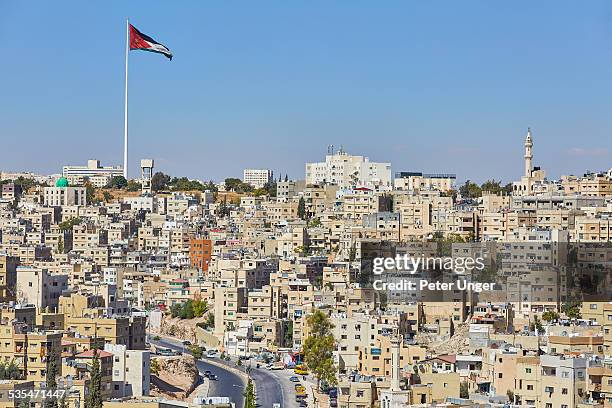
x=125 y=125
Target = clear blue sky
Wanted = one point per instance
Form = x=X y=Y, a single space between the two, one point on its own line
x=441 y=86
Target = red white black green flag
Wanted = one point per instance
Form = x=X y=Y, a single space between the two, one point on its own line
x=140 y=41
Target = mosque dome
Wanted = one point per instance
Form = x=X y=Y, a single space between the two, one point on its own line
x=61 y=182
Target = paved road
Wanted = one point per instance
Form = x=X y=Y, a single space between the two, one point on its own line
x=269 y=389
x=272 y=386
x=229 y=383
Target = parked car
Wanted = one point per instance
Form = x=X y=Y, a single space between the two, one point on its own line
x=213 y=377
x=207 y=373
x=294 y=378
x=186 y=343
x=333 y=403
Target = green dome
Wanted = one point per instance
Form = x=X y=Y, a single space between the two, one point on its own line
x=61 y=182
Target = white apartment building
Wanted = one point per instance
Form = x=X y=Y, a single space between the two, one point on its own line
x=347 y=171
x=92 y=169
x=40 y=287
x=65 y=196
x=131 y=371
x=257 y=177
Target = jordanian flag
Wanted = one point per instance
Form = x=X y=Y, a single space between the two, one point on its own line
x=140 y=41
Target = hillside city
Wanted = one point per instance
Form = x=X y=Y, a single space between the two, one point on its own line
x=162 y=291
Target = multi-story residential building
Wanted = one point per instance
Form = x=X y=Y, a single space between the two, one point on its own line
x=347 y=171
x=8 y=278
x=131 y=371
x=417 y=181
x=200 y=253
x=257 y=178
x=40 y=287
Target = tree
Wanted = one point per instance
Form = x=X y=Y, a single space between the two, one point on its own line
x=107 y=196
x=288 y=336
x=571 y=309
x=154 y=366
x=510 y=395
x=60 y=245
x=63 y=403
x=353 y=253
x=51 y=383
x=90 y=193
x=9 y=370
x=134 y=186
x=492 y=186
x=270 y=189
x=536 y=326
x=470 y=190
x=200 y=307
x=319 y=347
x=464 y=390
x=210 y=321
x=118 y=182
x=68 y=224
x=196 y=351
x=159 y=181
x=231 y=183
x=550 y=315
x=249 y=395
x=286 y=177
x=94 y=398
x=302 y=209
x=315 y=222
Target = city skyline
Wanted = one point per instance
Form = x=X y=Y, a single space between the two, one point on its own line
x=283 y=98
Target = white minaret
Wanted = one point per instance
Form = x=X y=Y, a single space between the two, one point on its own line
x=395 y=364
x=528 y=153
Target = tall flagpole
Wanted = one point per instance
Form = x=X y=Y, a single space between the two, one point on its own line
x=125 y=126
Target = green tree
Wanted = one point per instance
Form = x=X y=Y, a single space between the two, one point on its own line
x=63 y=403
x=572 y=309
x=232 y=184
x=464 y=390
x=51 y=375
x=470 y=190
x=270 y=189
x=302 y=208
x=196 y=351
x=159 y=181
x=60 y=245
x=68 y=224
x=118 y=182
x=492 y=186
x=154 y=366
x=353 y=252
x=510 y=395
x=536 y=326
x=315 y=222
x=319 y=347
x=187 y=310
x=249 y=395
x=9 y=370
x=133 y=185
x=175 y=310
x=90 y=193
x=94 y=398
x=209 y=323
x=549 y=316
x=288 y=333
x=200 y=307
x=107 y=196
